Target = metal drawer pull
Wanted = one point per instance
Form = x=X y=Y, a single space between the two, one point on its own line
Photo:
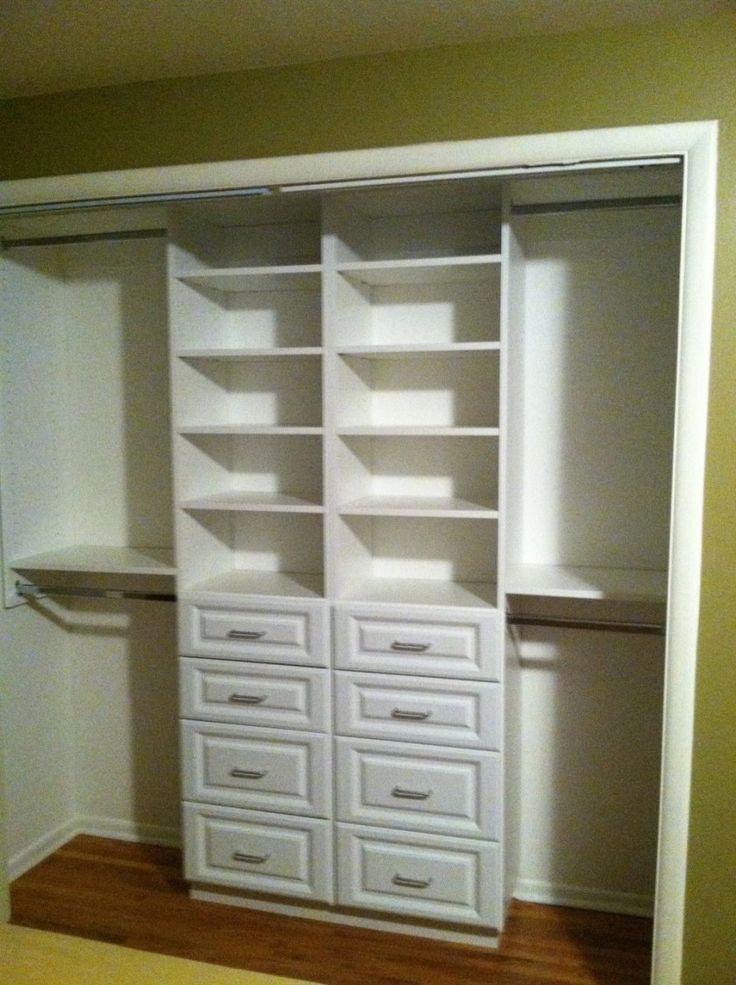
x=254 y=859
x=244 y=634
x=411 y=883
x=410 y=647
x=246 y=699
x=411 y=794
x=248 y=774
x=412 y=716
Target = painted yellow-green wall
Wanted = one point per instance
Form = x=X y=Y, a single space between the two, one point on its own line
x=4 y=891
x=666 y=73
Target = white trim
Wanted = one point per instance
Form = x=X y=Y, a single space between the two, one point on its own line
x=122 y=830
x=40 y=849
x=584 y=897
x=388 y=924
x=542 y=150
x=697 y=144
x=696 y=305
x=101 y=827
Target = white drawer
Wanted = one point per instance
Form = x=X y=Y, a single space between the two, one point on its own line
x=422 y=788
x=265 y=853
x=455 y=645
x=446 y=879
x=454 y=713
x=254 y=694
x=240 y=766
x=292 y=633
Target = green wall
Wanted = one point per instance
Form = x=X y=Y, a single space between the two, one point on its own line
x=670 y=72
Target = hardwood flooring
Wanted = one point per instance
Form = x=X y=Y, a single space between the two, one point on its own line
x=134 y=895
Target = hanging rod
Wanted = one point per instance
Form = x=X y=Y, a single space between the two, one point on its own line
x=613 y=625
x=642 y=202
x=114 y=236
x=26 y=590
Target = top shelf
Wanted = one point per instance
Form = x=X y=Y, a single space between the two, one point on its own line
x=605 y=584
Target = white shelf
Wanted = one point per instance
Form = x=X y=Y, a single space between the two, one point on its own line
x=432 y=270
x=417 y=431
x=435 y=506
x=253 y=501
x=293 y=277
x=245 y=429
x=409 y=591
x=102 y=560
x=400 y=351
x=273 y=583
x=611 y=584
x=244 y=353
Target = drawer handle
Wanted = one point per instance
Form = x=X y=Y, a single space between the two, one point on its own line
x=411 y=794
x=411 y=716
x=244 y=634
x=253 y=859
x=248 y=774
x=246 y=699
x=400 y=647
x=411 y=883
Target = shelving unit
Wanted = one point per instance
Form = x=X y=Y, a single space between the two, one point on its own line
x=400 y=415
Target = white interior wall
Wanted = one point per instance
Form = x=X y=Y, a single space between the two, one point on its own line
x=591 y=714
x=125 y=710
x=36 y=716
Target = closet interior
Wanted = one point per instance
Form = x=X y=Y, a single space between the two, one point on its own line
x=335 y=532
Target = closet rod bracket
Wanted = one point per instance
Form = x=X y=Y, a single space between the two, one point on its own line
x=28 y=590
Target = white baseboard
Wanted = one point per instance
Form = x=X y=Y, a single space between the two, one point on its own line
x=40 y=849
x=110 y=827
x=101 y=827
x=584 y=897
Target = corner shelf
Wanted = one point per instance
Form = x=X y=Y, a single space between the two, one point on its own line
x=245 y=429
x=430 y=592
x=238 y=280
x=253 y=501
x=431 y=270
x=417 y=349
x=410 y=431
x=280 y=584
x=429 y=506
x=244 y=353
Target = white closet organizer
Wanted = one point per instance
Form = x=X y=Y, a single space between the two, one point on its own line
x=405 y=421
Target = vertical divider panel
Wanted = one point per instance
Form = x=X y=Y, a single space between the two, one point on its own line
x=508 y=466
x=329 y=396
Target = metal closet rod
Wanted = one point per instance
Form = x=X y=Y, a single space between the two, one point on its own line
x=26 y=590
x=606 y=625
x=640 y=202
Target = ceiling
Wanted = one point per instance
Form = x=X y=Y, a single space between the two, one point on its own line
x=58 y=45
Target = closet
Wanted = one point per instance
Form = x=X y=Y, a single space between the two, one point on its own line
x=375 y=481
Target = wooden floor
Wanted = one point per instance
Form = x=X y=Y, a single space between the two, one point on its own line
x=134 y=895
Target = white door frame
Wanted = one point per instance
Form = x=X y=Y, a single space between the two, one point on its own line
x=696 y=143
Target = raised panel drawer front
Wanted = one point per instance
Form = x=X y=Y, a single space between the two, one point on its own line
x=287 y=633
x=236 y=765
x=254 y=694
x=422 y=788
x=455 y=713
x=263 y=853
x=446 y=879
x=455 y=645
